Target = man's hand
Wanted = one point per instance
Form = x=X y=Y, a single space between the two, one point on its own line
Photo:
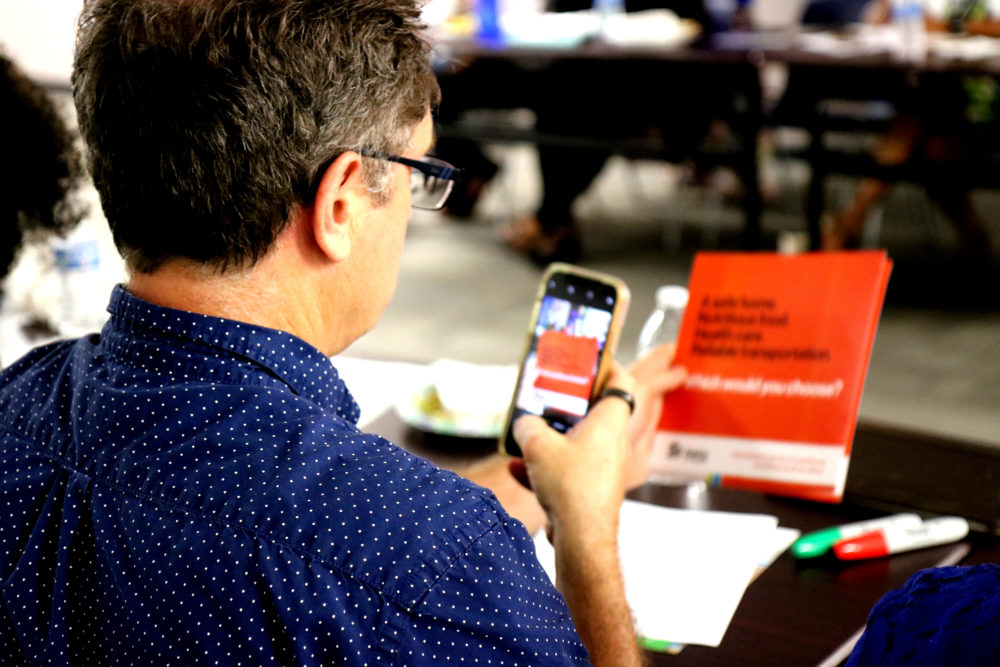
x=652 y=377
x=579 y=479
x=655 y=376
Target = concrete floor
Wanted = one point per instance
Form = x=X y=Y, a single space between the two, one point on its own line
x=936 y=362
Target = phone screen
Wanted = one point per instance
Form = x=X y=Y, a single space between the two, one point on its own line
x=564 y=353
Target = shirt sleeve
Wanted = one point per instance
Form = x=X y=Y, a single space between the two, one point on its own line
x=494 y=603
x=941 y=616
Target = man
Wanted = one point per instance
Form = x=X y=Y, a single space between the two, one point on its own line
x=189 y=487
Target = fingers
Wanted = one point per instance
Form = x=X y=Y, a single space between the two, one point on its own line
x=579 y=477
x=655 y=371
x=620 y=380
x=654 y=361
x=609 y=415
x=667 y=380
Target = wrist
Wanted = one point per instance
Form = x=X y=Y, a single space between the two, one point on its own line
x=587 y=517
x=589 y=575
x=585 y=536
x=587 y=563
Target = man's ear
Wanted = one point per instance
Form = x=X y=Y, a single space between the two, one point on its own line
x=340 y=200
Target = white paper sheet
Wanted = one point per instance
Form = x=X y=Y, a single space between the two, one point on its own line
x=686 y=570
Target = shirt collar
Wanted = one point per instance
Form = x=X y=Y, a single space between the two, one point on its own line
x=307 y=371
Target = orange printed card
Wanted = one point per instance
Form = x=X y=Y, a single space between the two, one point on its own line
x=777 y=348
x=566 y=363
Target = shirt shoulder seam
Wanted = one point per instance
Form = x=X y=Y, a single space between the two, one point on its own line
x=493 y=525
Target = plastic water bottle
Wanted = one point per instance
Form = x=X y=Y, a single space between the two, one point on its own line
x=608 y=10
x=908 y=17
x=721 y=13
x=82 y=297
x=488 y=14
x=993 y=9
x=664 y=323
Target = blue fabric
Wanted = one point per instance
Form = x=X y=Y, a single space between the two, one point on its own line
x=186 y=490
x=942 y=616
x=835 y=12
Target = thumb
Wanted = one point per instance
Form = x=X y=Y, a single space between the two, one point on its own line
x=530 y=431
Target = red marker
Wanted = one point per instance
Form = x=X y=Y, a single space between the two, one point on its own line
x=894 y=539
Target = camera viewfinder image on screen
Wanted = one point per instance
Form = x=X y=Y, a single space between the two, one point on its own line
x=562 y=361
x=575 y=322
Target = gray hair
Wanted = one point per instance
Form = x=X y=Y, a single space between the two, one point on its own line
x=209 y=122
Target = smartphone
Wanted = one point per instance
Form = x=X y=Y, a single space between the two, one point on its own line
x=574 y=331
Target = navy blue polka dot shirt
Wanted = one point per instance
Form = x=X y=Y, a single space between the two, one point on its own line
x=187 y=490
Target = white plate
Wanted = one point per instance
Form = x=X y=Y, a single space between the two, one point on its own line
x=422 y=409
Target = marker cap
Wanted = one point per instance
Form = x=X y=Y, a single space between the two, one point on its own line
x=870 y=545
x=816 y=543
x=896 y=538
x=819 y=542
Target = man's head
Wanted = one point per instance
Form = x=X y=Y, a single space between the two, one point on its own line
x=208 y=122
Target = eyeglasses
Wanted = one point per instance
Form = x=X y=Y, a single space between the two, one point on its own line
x=431 y=180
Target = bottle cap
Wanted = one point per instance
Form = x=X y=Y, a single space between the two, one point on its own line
x=671 y=296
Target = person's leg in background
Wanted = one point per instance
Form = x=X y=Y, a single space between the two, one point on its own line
x=584 y=101
x=947 y=185
x=938 y=131
x=895 y=147
x=603 y=101
x=607 y=102
x=483 y=84
x=550 y=234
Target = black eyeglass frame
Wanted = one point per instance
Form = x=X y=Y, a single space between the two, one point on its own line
x=436 y=169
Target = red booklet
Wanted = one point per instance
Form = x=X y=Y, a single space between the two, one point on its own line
x=776 y=347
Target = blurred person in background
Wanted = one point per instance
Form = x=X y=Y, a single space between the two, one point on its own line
x=606 y=101
x=631 y=101
x=41 y=166
x=944 y=125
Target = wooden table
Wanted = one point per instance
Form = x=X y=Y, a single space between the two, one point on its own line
x=796 y=612
x=732 y=59
x=534 y=79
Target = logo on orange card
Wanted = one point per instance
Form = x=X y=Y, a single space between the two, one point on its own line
x=566 y=363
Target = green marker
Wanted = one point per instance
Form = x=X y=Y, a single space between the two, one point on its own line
x=659 y=645
x=818 y=543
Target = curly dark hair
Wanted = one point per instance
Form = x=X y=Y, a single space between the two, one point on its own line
x=40 y=168
x=207 y=122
